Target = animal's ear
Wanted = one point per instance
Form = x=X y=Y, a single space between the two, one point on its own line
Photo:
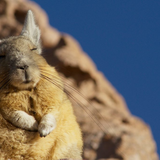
x=31 y=30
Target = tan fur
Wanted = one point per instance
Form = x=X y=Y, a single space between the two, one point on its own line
x=34 y=108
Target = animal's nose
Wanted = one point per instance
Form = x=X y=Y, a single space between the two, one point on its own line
x=23 y=67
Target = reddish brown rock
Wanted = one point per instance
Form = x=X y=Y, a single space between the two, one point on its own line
x=115 y=134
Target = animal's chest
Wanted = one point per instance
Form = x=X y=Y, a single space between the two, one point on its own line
x=43 y=101
x=27 y=101
x=37 y=105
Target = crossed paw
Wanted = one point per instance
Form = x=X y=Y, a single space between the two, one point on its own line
x=23 y=120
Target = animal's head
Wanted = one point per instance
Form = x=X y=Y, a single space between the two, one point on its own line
x=20 y=55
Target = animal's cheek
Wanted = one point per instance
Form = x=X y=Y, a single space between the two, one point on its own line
x=17 y=76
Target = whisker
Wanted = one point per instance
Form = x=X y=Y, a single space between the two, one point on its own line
x=79 y=93
x=83 y=107
x=57 y=85
x=69 y=94
x=4 y=85
x=4 y=77
x=86 y=109
x=3 y=80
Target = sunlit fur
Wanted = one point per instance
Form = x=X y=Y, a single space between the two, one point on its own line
x=42 y=95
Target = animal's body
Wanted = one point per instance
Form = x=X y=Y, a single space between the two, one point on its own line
x=36 y=117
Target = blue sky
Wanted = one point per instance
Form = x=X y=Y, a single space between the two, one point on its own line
x=123 y=39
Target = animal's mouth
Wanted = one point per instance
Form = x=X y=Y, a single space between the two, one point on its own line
x=27 y=81
x=28 y=84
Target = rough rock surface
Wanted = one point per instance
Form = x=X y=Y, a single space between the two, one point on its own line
x=110 y=132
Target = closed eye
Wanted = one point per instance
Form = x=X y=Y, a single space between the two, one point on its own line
x=33 y=49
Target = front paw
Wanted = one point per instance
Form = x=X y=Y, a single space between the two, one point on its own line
x=47 y=125
x=25 y=121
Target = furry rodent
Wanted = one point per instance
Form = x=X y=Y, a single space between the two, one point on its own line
x=36 y=117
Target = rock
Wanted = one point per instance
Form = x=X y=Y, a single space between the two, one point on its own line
x=110 y=132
